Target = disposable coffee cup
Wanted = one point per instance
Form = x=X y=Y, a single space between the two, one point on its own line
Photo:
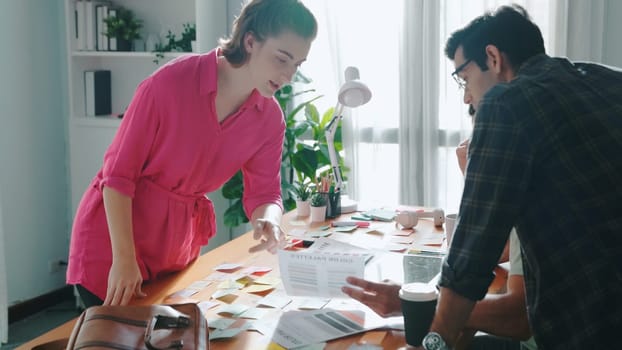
x=418 y=306
x=450 y=226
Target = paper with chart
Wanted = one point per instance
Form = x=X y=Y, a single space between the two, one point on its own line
x=297 y=328
x=322 y=269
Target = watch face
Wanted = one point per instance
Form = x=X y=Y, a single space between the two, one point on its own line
x=433 y=341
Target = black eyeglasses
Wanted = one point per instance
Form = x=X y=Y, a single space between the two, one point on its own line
x=461 y=82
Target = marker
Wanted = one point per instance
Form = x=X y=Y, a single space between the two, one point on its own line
x=350 y=223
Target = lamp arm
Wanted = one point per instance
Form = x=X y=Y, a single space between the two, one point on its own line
x=331 y=129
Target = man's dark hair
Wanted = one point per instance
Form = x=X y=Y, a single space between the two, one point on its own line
x=509 y=28
x=267 y=18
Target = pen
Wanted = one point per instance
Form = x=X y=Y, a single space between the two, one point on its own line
x=350 y=223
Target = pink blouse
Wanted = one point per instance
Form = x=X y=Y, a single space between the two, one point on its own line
x=170 y=150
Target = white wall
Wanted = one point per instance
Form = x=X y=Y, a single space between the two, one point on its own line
x=612 y=50
x=33 y=180
x=36 y=203
x=4 y=314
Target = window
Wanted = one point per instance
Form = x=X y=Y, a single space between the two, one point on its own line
x=369 y=38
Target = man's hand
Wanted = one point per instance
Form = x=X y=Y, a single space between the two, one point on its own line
x=124 y=282
x=461 y=154
x=270 y=235
x=383 y=297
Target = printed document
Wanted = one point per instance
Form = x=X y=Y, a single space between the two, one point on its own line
x=321 y=270
x=300 y=328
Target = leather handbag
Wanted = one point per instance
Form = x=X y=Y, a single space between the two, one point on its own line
x=152 y=327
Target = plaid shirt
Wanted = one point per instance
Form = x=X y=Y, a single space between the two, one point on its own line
x=546 y=157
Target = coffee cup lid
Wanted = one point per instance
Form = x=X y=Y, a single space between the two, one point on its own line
x=417 y=291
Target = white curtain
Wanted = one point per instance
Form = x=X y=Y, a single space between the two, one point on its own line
x=400 y=147
x=579 y=29
x=362 y=34
x=420 y=60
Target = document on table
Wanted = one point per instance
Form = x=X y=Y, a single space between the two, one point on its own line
x=300 y=328
x=322 y=269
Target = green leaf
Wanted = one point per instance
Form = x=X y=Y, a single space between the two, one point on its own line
x=306 y=162
x=305 y=104
x=235 y=215
x=233 y=188
x=289 y=204
x=299 y=77
x=327 y=116
x=301 y=128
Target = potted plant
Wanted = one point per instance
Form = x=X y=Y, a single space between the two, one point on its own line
x=305 y=150
x=188 y=36
x=302 y=192
x=123 y=27
x=183 y=44
x=318 y=207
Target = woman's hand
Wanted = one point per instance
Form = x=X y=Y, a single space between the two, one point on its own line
x=124 y=282
x=269 y=234
x=383 y=297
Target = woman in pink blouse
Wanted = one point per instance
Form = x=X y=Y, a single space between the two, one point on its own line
x=191 y=125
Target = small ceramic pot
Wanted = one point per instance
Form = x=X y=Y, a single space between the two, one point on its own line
x=318 y=214
x=303 y=208
x=408 y=219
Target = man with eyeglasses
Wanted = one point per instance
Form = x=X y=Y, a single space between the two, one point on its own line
x=502 y=317
x=545 y=158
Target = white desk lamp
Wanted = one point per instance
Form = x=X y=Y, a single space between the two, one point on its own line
x=353 y=93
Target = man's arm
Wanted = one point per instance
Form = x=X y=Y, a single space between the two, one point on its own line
x=452 y=313
x=503 y=314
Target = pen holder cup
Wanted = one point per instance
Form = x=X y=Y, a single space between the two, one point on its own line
x=333 y=204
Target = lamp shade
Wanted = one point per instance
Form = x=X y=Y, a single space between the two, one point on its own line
x=353 y=92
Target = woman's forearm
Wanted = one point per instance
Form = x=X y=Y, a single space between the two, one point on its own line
x=119 y=217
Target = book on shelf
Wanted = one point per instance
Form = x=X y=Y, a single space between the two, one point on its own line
x=89 y=10
x=101 y=13
x=112 y=42
x=80 y=25
x=97 y=92
x=93 y=24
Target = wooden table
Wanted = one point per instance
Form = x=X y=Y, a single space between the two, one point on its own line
x=237 y=251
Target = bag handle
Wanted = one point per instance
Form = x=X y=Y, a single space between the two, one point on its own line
x=59 y=344
x=165 y=322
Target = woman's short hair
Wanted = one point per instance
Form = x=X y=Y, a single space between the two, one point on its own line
x=267 y=18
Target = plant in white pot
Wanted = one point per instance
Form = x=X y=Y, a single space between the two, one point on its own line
x=124 y=27
x=318 y=207
x=302 y=192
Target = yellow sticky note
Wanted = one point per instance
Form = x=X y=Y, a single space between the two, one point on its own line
x=267 y=280
x=257 y=288
x=275 y=346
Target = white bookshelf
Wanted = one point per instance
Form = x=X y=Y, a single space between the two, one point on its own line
x=90 y=136
x=121 y=54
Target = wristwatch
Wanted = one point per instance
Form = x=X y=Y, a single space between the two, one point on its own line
x=434 y=341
